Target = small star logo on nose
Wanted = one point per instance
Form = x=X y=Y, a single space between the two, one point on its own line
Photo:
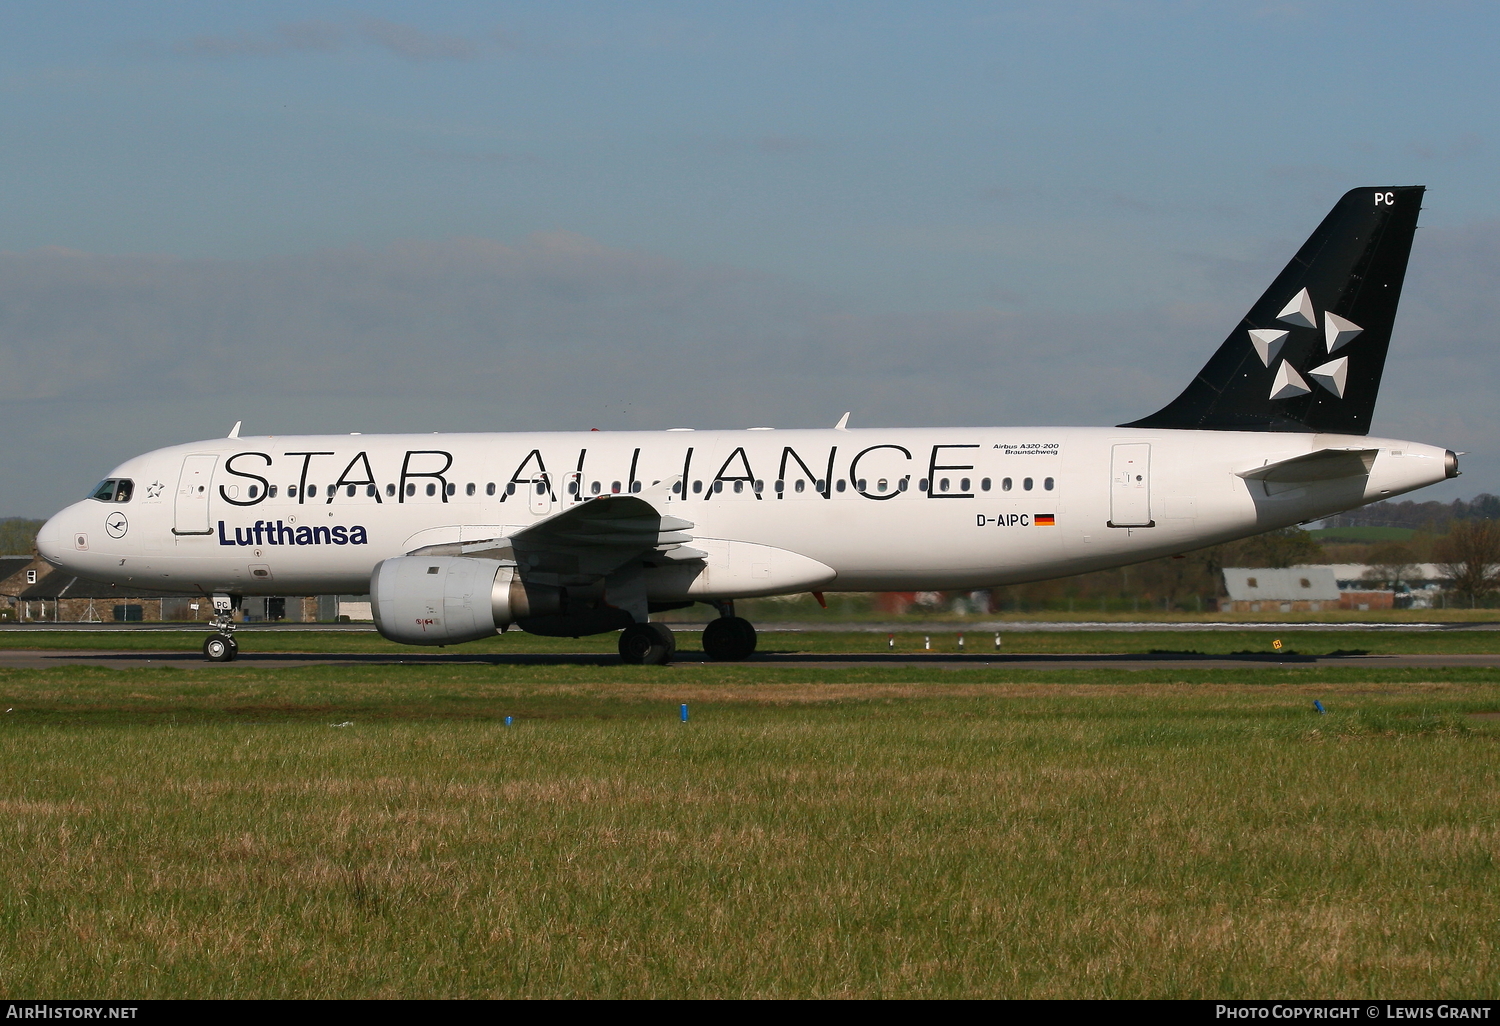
x=154 y=490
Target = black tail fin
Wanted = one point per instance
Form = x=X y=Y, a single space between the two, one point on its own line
x=1309 y=354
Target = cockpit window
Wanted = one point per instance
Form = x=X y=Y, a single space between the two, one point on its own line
x=114 y=489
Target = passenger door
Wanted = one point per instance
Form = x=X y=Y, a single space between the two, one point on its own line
x=192 y=495
x=1130 y=485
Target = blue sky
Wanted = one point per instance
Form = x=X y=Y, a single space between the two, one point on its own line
x=924 y=212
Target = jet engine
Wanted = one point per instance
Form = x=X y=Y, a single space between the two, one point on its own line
x=444 y=600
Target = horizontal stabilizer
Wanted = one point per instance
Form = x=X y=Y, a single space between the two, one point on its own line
x=1323 y=465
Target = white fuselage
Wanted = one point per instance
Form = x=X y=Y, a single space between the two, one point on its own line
x=776 y=511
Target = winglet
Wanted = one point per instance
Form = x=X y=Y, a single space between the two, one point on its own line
x=234 y=432
x=843 y=424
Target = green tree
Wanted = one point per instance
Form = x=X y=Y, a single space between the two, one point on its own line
x=1391 y=563
x=1469 y=557
x=18 y=537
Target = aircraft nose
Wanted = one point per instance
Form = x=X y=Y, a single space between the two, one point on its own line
x=50 y=539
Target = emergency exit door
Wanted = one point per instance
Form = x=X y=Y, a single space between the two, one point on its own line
x=539 y=498
x=1130 y=486
x=192 y=495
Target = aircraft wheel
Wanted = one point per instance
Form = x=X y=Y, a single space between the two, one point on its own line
x=219 y=649
x=729 y=639
x=643 y=644
x=668 y=638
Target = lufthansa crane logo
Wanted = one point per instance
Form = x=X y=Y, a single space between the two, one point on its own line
x=116 y=524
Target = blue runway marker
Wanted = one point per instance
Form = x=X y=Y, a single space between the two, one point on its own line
x=507 y=721
x=1319 y=706
x=684 y=712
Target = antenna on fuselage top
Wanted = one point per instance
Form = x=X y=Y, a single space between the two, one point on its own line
x=234 y=432
x=843 y=424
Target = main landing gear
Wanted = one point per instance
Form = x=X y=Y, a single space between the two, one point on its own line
x=730 y=638
x=650 y=644
x=220 y=647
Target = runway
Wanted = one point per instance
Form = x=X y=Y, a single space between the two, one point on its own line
x=935 y=627
x=135 y=660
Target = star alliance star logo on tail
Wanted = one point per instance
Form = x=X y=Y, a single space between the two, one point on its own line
x=1338 y=332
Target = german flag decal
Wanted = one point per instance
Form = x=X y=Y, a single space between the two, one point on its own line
x=1044 y=520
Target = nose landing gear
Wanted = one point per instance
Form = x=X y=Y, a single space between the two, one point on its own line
x=220 y=647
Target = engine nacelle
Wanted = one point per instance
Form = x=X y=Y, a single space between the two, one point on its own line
x=444 y=600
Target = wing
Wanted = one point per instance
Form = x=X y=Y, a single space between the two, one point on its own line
x=590 y=539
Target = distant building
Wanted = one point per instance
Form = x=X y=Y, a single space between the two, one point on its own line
x=17 y=573
x=1296 y=589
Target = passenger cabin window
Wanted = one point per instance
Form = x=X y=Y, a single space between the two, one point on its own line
x=452 y=489
x=411 y=489
x=943 y=485
x=882 y=485
x=1048 y=483
x=984 y=485
x=390 y=489
x=291 y=491
x=718 y=486
x=1026 y=484
x=801 y=485
x=271 y=491
x=432 y=489
x=840 y=485
x=312 y=490
x=697 y=487
x=489 y=489
x=963 y=485
x=860 y=484
x=614 y=487
x=370 y=491
x=922 y=485
x=1005 y=484
x=253 y=491
x=469 y=488
x=349 y=491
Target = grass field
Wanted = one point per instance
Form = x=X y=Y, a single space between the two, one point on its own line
x=1304 y=641
x=867 y=832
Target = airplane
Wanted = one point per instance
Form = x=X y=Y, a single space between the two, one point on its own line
x=457 y=537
